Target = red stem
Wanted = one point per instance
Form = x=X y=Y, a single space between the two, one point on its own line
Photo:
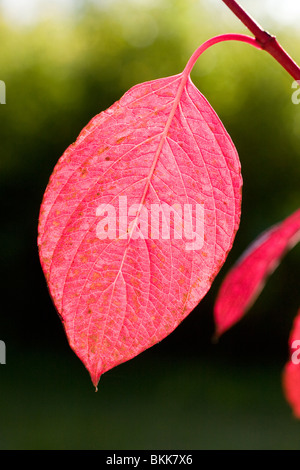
x=268 y=42
x=216 y=40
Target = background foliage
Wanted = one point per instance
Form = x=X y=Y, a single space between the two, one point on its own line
x=184 y=392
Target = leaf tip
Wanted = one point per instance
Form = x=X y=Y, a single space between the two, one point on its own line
x=215 y=337
x=219 y=331
x=95 y=382
x=95 y=370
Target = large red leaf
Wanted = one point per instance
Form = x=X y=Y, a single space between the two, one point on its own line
x=291 y=373
x=246 y=279
x=162 y=144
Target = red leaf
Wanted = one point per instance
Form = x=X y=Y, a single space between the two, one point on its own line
x=161 y=143
x=291 y=373
x=246 y=279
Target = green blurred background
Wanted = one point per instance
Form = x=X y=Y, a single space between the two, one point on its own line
x=63 y=62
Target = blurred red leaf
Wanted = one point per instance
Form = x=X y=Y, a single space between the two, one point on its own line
x=246 y=279
x=291 y=373
x=162 y=143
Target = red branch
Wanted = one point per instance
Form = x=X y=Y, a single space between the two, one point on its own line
x=268 y=42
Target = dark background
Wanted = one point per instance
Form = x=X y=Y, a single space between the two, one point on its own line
x=184 y=392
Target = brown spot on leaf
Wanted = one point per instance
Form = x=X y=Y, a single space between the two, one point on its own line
x=102 y=149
